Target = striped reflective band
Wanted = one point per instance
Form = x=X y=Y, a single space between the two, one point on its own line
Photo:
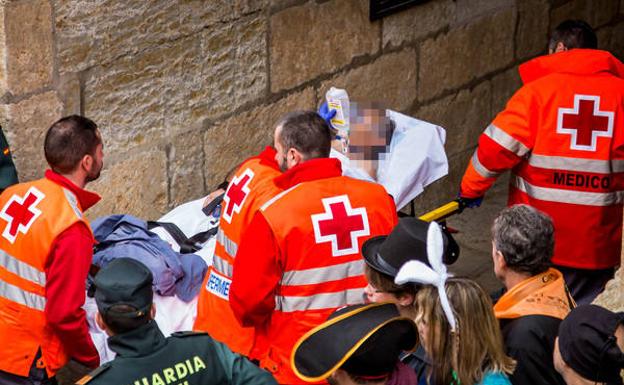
x=319 y=301
x=568 y=196
x=577 y=164
x=222 y=266
x=73 y=202
x=22 y=269
x=230 y=246
x=505 y=140
x=26 y=298
x=481 y=169
x=323 y=274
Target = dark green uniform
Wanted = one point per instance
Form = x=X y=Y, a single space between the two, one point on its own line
x=146 y=357
x=123 y=290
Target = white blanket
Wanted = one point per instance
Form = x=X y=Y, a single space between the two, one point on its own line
x=172 y=314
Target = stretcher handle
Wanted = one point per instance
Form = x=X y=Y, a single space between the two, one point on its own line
x=442 y=212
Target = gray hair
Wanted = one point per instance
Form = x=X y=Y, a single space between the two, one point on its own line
x=525 y=237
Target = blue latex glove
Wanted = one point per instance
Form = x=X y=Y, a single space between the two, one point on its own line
x=327 y=114
x=470 y=203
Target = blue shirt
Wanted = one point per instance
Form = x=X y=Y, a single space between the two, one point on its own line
x=495 y=378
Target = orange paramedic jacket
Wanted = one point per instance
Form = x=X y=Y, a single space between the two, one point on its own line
x=32 y=215
x=562 y=136
x=300 y=259
x=251 y=187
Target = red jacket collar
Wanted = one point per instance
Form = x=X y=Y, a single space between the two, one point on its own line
x=267 y=157
x=85 y=198
x=312 y=169
x=575 y=61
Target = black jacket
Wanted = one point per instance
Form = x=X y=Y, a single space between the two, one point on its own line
x=530 y=340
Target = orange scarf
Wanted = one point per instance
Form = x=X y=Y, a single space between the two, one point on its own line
x=543 y=294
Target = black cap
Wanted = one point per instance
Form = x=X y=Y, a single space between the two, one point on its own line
x=588 y=345
x=364 y=340
x=124 y=281
x=407 y=242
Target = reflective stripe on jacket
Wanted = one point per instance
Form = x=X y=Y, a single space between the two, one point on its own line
x=32 y=216
x=251 y=187
x=319 y=227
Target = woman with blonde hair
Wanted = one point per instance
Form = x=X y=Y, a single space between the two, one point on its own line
x=456 y=323
x=473 y=353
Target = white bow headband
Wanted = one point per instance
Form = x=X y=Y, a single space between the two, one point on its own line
x=416 y=271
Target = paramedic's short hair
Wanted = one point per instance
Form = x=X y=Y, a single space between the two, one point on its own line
x=525 y=237
x=307 y=132
x=573 y=34
x=68 y=140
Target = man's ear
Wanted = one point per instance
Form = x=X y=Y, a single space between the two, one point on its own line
x=294 y=156
x=500 y=259
x=86 y=162
x=153 y=311
x=405 y=299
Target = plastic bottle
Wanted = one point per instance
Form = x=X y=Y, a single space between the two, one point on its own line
x=338 y=99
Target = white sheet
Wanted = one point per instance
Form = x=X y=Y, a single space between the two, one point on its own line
x=172 y=314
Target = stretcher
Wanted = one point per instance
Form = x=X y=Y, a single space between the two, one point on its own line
x=439 y=215
x=172 y=314
x=416 y=159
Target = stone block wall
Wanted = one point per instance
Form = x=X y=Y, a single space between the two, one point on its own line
x=184 y=89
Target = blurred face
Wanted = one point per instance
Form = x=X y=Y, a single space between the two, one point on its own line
x=367 y=135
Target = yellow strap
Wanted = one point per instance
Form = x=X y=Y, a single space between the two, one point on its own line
x=441 y=212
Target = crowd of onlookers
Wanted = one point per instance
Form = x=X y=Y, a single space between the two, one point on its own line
x=316 y=279
x=422 y=326
x=533 y=334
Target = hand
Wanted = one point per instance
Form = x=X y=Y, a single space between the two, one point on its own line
x=470 y=203
x=327 y=114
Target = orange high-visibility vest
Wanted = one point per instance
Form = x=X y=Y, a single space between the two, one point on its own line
x=319 y=228
x=251 y=187
x=32 y=216
x=562 y=136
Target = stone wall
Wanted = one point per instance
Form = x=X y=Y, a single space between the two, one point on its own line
x=184 y=89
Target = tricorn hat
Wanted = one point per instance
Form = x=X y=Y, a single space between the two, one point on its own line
x=364 y=340
x=406 y=242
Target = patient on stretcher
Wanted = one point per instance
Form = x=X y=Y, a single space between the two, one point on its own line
x=402 y=153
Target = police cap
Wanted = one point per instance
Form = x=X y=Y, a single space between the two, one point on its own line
x=124 y=281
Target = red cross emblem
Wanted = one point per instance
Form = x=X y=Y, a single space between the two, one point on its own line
x=585 y=122
x=341 y=225
x=20 y=213
x=236 y=194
